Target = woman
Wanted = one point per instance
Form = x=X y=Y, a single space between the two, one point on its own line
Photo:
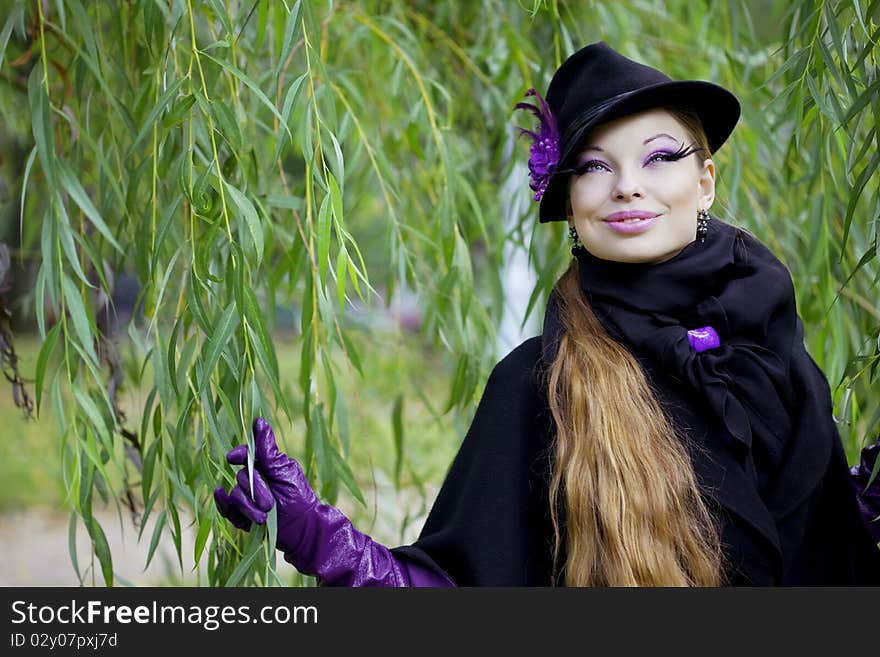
x=667 y=428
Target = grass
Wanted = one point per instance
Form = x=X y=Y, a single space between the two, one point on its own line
x=30 y=462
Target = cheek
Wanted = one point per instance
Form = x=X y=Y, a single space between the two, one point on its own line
x=587 y=197
x=680 y=183
x=680 y=193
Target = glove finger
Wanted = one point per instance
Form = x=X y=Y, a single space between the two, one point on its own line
x=248 y=508
x=237 y=455
x=221 y=500
x=238 y=520
x=228 y=510
x=266 y=449
x=263 y=498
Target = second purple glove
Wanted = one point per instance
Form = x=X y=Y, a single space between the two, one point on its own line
x=869 y=500
x=318 y=539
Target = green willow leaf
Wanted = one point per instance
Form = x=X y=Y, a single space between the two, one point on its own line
x=161 y=105
x=71 y=546
x=252 y=219
x=272 y=538
x=352 y=353
x=397 y=432
x=461 y=262
x=174 y=528
x=306 y=363
x=856 y=192
x=345 y=474
x=201 y=538
x=154 y=540
x=92 y=258
x=170 y=361
x=223 y=331
x=227 y=123
x=179 y=111
x=867 y=96
x=255 y=319
x=213 y=422
x=289 y=102
x=195 y=305
x=102 y=550
x=95 y=416
x=220 y=14
x=41 y=124
x=337 y=166
x=149 y=459
x=341 y=271
x=11 y=17
x=103 y=81
x=318 y=439
x=183 y=366
x=241 y=569
x=82 y=326
x=287 y=202
x=84 y=28
x=324 y=226
x=46 y=351
x=251 y=85
x=153 y=26
x=265 y=361
x=290 y=27
x=68 y=243
x=24 y=185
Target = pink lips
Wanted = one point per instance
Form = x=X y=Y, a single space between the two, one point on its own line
x=616 y=221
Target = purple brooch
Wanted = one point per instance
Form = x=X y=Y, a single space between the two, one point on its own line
x=544 y=152
x=703 y=338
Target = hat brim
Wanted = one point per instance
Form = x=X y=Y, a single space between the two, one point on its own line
x=718 y=109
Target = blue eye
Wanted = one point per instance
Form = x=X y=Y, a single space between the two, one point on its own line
x=666 y=156
x=586 y=167
x=663 y=156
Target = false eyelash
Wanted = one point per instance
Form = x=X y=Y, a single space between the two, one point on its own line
x=683 y=151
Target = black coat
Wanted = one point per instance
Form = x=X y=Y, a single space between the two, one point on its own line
x=490 y=524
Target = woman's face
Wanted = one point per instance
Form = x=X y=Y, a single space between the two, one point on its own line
x=629 y=164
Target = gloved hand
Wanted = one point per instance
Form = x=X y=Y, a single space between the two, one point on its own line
x=869 y=500
x=318 y=539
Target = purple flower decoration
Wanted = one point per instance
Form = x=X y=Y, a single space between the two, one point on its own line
x=544 y=152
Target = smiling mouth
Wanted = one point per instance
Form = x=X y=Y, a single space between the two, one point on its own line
x=630 y=216
x=632 y=225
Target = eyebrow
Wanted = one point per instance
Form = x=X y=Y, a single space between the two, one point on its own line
x=649 y=139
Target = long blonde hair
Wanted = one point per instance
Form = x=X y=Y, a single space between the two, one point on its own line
x=633 y=513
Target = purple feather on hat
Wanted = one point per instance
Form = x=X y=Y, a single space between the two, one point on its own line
x=544 y=152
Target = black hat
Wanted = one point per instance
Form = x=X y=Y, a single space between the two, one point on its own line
x=597 y=84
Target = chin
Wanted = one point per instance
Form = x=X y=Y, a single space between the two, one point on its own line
x=652 y=255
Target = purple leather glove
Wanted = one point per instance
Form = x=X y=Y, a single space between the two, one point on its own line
x=318 y=539
x=869 y=500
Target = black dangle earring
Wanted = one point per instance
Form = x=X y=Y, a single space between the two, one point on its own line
x=575 y=240
x=702 y=225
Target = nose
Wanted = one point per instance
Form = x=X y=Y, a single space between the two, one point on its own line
x=627 y=186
